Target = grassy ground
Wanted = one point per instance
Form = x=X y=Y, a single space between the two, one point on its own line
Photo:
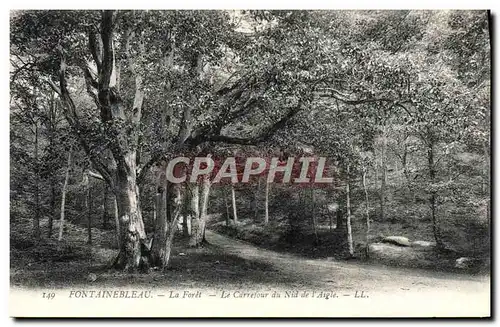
x=328 y=243
x=49 y=264
x=70 y=263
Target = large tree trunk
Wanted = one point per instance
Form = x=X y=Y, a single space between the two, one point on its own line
x=117 y=222
x=105 y=216
x=350 y=246
x=131 y=223
x=198 y=219
x=158 y=248
x=175 y=199
x=165 y=230
x=123 y=138
x=63 y=197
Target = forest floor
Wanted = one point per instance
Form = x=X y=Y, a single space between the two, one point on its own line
x=333 y=274
x=223 y=262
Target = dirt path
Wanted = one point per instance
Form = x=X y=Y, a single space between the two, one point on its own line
x=338 y=275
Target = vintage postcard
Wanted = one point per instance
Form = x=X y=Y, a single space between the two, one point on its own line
x=250 y=163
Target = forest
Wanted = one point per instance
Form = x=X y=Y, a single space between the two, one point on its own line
x=397 y=102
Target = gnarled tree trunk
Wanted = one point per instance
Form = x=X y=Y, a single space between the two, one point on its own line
x=199 y=210
x=164 y=229
x=130 y=217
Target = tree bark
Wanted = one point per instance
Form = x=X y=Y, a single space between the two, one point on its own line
x=341 y=221
x=367 y=203
x=192 y=211
x=176 y=200
x=117 y=222
x=256 y=201
x=52 y=206
x=205 y=196
x=36 y=218
x=63 y=197
x=123 y=141
x=130 y=217
x=487 y=182
x=350 y=247
x=227 y=206
x=186 y=226
x=199 y=211
x=105 y=216
x=266 y=204
x=406 y=172
x=383 y=185
x=313 y=216
x=331 y=220
x=88 y=202
x=51 y=126
x=158 y=248
x=233 y=201
x=432 y=198
x=165 y=230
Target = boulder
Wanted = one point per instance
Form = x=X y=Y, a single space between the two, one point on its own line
x=398 y=255
x=92 y=277
x=423 y=244
x=467 y=263
x=397 y=240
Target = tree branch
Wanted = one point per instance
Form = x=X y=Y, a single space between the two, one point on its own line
x=95 y=175
x=107 y=50
x=69 y=110
x=90 y=83
x=268 y=133
x=95 y=48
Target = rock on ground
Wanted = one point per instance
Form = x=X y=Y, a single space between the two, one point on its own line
x=398 y=255
x=423 y=244
x=397 y=240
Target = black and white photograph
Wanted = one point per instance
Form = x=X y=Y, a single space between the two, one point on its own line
x=250 y=163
